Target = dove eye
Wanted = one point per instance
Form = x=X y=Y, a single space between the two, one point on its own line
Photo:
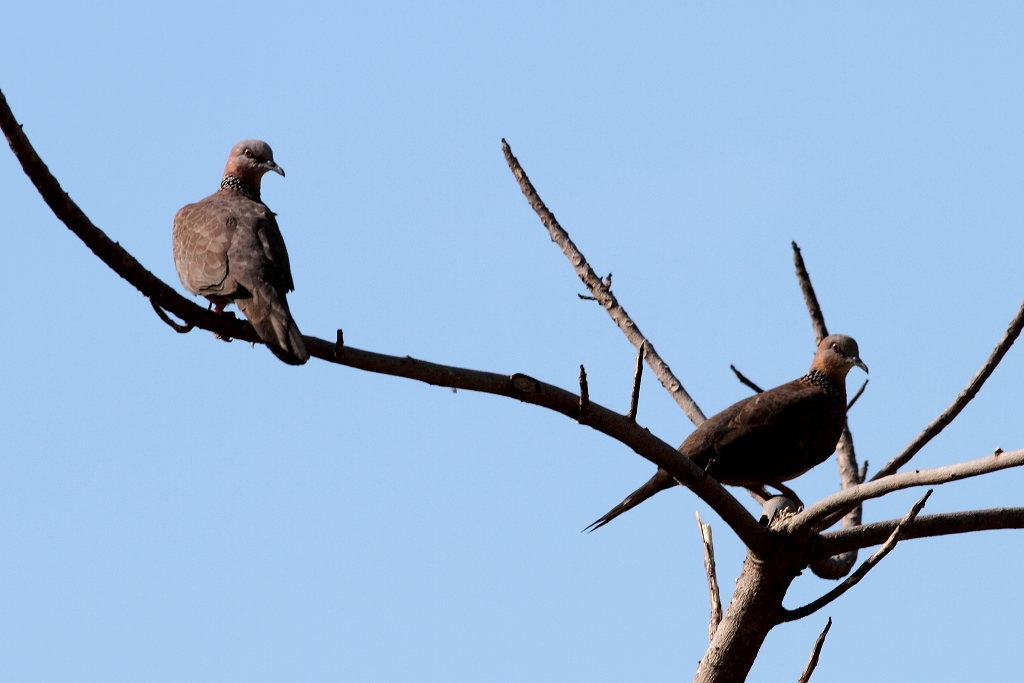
x=248 y=152
x=835 y=346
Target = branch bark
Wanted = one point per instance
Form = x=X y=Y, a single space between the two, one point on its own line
x=927 y=526
x=837 y=502
x=518 y=386
x=815 y=653
x=602 y=291
x=709 y=568
x=961 y=401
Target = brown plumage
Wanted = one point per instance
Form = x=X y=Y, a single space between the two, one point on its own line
x=229 y=249
x=770 y=437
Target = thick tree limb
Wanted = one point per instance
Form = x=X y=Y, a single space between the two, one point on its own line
x=837 y=502
x=602 y=291
x=926 y=526
x=854 y=578
x=815 y=653
x=517 y=386
x=961 y=401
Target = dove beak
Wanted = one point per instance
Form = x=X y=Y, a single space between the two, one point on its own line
x=271 y=166
x=859 y=363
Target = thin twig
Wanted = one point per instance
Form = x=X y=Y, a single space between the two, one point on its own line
x=516 y=386
x=339 y=345
x=180 y=329
x=969 y=392
x=857 y=395
x=638 y=373
x=584 y=395
x=744 y=380
x=813 y=661
x=817 y=317
x=926 y=526
x=712 y=574
x=854 y=578
x=842 y=500
x=602 y=291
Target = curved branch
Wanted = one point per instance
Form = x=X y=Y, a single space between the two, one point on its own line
x=842 y=500
x=865 y=536
x=602 y=291
x=969 y=392
x=854 y=578
x=517 y=386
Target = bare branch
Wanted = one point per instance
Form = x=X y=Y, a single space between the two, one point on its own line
x=813 y=661
x=854 y=578
x=516 y=386
x=110 y=252
x=842 y=500
x=180 y=329
x=839 y=566
x=923 y=527
x=638 y=373
x=584 y=395
x=817 y=317
x=969 y=392
x=709 y=569
x=857 y=395
x=602 y=291
x=743 y=380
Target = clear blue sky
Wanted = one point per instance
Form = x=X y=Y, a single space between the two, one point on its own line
x=176 y=508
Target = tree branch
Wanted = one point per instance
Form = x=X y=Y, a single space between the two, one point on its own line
x=638 y=373
x=813 y=661
x=602 y=291
x=969 y=392
x=516 y=386
x=817 y=317
x=745 y=381
x=712 y=574
x=854 y=578
x=842 y=500
x=923 y=527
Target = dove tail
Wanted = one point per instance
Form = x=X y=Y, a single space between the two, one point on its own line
x=273 y=322
x=659 y=482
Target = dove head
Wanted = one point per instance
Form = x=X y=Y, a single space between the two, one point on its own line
x=836 y=354
x=249 y=160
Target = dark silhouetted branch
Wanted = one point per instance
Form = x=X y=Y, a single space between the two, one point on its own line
x=815 y=653
x=638 y=374
x=743 y=380
x=854 y=578
x=857 y=395
x=817 y=317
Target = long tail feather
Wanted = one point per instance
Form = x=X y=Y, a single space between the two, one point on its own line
x=659 y=482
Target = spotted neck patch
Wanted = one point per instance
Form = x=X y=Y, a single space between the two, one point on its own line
x=820 y=379
x=230 y=182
